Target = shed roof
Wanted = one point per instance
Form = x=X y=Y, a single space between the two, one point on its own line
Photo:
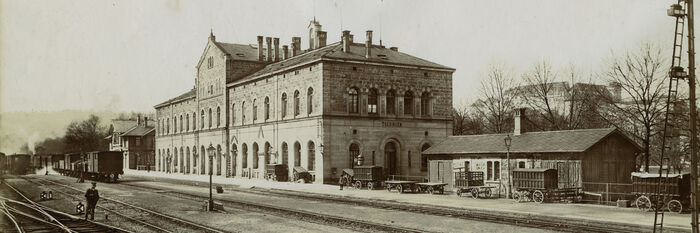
x=121 y=126
x=531 y=142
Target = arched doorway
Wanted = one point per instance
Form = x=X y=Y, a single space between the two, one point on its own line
x=390 y=161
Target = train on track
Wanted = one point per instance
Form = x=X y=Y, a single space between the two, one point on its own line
x=104 y=166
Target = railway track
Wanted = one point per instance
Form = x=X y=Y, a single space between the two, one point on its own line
x=150 y=219
x=518 y=219
x=29 y=216
x=302 y=215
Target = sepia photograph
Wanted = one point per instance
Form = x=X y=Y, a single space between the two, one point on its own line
x=348 y=116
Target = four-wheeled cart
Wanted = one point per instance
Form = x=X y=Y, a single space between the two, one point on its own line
x=472 y=183
x=364 y=176
x=401 y=185
x=431 y=187
x=541 y=185
x=674 y=191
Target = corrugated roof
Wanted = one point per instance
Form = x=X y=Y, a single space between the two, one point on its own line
x=139 y=131
x=531 y=142
x=189 y=94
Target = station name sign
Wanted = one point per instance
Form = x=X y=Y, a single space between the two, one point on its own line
x=391 y=124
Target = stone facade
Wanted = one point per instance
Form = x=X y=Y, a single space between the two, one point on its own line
x=312 y=110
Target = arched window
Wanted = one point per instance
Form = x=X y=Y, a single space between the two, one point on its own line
x=194 y=120
x=210 y=117
x=354 y=151
x=267 y=108
x=218 y=160
x=284 y=105
x=310 y=100
x=391 y=102
x=297 y=154
x=425 y=104
x=424 y=158
x=194 y=157
x=408 y=103
x=285 y=153
x=187 y=123
x=175 y=124
x=312 y=157
x=354 y=100
x=181 y=123
x=203 y=161
x=268 y=149
x=202 y=120
x=255 y=110
x=244 y=156
x=243 y=113
x=218 y=116
x=168 y=126
x=296 y=103
x=233 y=114
x=255 y=155
x=372 y=101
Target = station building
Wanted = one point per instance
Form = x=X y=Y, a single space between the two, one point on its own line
x=257 y=104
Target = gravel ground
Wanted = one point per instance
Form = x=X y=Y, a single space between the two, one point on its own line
x=248 y=221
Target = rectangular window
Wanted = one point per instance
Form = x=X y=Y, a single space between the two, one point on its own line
x=489 y=170
x=496 y=170
x=521 y=164
x=409 y=158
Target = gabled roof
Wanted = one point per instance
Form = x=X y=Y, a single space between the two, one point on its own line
x=190 y=94
x=121 y=126
x=334 y=52
x=240 y=51
x=532 y=142
x=138 y=131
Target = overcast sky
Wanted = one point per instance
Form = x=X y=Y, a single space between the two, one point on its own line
x=131 y=55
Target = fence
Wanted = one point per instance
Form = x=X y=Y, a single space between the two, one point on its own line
x=606 y=193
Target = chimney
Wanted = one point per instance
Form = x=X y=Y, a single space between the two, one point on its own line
x=285 y=52
x=320 y=39
x=268 y=40
x=260 y=48
x=350 y=38
x=145 y=122
x=519 y=115
x=296 y=45
x=395 y=49
x=138 y=120
x=368 y=44
x=346 y=41
x=277 y=48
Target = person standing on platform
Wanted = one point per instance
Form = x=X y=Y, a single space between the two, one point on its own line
x=92 y=197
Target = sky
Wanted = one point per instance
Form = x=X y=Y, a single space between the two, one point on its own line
x=131 y=55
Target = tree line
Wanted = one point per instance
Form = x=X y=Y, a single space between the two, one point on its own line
x=630 y=95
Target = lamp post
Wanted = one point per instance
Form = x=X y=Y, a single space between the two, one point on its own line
x=211 y=150
x=508 y=140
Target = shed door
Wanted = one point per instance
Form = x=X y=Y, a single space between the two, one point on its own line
x=441 y=172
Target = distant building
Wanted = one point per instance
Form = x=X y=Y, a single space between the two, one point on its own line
x=139 y=147
x=317 y=109
x=119 y=126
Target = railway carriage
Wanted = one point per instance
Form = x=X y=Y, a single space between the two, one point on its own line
x=675 y=189
x=103 y=166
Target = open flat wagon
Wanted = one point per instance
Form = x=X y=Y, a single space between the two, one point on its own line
x=675 y=191
x=541 y=185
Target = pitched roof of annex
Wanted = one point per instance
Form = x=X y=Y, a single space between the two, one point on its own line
x=562 y=141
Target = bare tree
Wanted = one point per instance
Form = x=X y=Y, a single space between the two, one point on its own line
x=85 y=136
x=464 y=121
x=496 y=106
x=642 y=81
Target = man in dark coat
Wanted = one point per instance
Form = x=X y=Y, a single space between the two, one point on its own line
x=92 y=197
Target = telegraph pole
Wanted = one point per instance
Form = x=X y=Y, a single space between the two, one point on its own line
x=693 y=116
